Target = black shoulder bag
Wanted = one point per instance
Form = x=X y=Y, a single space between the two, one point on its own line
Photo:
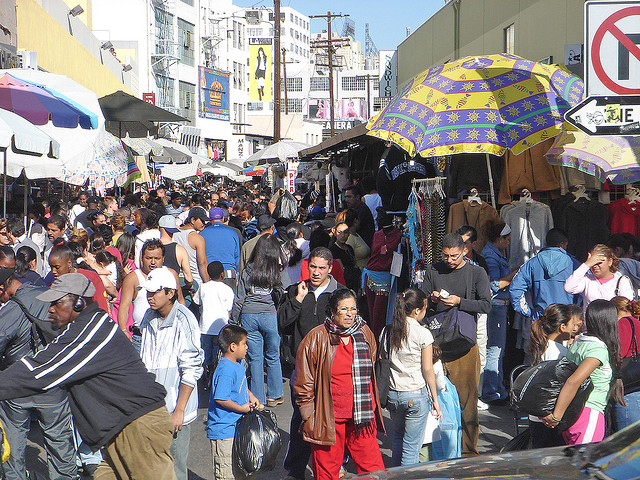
x=383 y=369
x=631 y=365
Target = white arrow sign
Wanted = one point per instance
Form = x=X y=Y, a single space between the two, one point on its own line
x=610 y=115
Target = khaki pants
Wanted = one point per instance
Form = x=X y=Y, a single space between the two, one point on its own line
x=221 y=453
x=140 y=451
x=464 y=373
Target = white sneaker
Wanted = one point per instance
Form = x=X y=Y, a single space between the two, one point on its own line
x=482 y=406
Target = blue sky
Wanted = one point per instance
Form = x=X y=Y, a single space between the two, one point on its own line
x=387 y=19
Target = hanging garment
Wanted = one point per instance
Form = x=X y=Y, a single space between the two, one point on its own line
x=528 y=170
x=584 y=221
x=624 y=217
x=529 y=223
x=396 y=170
x=570 y=177
x=469 y=170
x=474 y=215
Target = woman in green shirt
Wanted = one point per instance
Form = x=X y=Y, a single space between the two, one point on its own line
x=597 y=354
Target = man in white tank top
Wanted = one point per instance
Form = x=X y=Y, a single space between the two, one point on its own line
x=194 y=244
x=151 y=257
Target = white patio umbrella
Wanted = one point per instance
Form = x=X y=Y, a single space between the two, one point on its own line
x=218 y=170
x=276 y=153
x=24 y=147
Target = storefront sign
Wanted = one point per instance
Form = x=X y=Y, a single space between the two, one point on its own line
x=292 y=173
x=612 y=52
x=611 y=115
x=214 y=94
x=388 y=65
x=260 y=70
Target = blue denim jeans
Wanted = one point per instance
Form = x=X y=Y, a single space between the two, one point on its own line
x=492 y=386
x=625 y=416
x=209 y=344
x=409 y=412
x=264 y=345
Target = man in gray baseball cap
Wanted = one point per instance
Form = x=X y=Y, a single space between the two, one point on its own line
x=115 y=402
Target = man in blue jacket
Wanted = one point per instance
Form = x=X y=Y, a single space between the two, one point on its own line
x=542 y=277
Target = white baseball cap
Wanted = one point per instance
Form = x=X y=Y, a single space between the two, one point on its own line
x=158 y=279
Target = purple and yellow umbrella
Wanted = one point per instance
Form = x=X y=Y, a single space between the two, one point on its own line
x=483 y=104
x=603 y=156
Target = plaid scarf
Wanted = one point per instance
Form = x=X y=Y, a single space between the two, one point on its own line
x=361 y=371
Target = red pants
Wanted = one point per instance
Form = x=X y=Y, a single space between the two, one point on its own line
x=364 y=449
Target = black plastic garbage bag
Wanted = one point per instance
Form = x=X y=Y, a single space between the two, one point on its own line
x=257 y=442
x=286 y=206
x=522 y=441
x=536 y=390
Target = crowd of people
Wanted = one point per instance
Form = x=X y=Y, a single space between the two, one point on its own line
x=116 y=310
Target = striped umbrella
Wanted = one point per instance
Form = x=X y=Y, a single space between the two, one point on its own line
x=252 y=171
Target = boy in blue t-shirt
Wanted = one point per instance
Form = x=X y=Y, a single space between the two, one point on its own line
x=229 y=399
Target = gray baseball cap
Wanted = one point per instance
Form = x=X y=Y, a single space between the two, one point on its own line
x=69 y=283
x=168 y=222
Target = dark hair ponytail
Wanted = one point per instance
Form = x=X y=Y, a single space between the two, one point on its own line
x=554 y=315
x=601 y=319
x=406 y=302
x=294 y=254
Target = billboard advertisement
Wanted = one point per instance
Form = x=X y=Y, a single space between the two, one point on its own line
x=260 y=69
x=214 y=94
x=345 y=109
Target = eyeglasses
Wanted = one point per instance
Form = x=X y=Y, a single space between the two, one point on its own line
x=345 y=310
x=451 y=257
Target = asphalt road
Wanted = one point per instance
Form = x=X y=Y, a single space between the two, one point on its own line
x=497 y=427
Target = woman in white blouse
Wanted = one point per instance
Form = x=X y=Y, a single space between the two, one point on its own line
x=410 y=349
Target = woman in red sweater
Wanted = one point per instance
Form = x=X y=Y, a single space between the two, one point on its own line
x=629 y=332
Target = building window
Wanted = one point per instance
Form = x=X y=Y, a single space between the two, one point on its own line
x=354 y=83
x=187 y=92
x=294 y=84
x=380 y=102
x=294 y=105
x=186 y=42
x=164 y=32
x=510 y=39
x=255 y=106
x=188 y=2
x=166 y=91
x=291 y=17
x=319 y=84
x=291 y=32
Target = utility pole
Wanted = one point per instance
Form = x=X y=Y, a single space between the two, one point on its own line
x=329 y=45
x=276 y=72
x=284 y=66
x=368 y=77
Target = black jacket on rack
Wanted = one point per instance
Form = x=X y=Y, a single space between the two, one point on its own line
x=469 y=170
x=395 y=173
x=584 y=221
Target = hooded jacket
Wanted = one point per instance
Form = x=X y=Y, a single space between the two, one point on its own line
x=543 y=277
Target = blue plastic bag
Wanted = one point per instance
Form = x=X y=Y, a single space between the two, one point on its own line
x=450 y=443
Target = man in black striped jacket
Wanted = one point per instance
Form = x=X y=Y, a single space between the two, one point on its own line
x=115 y=402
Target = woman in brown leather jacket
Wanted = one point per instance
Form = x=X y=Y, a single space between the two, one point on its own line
x=336 y=390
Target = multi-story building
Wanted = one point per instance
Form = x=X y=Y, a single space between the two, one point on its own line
x=56 y=36
x=541 y=30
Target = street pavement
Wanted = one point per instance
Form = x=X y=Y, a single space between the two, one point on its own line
x=497 y=427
